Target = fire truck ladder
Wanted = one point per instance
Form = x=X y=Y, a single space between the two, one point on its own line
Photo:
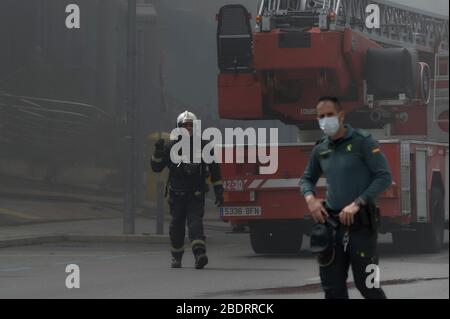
x=400 y=26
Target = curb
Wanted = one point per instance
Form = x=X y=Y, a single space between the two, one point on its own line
x=95 y=239
x=52 y=239
x=30 y=240
x=61 y=197
x=114 y=239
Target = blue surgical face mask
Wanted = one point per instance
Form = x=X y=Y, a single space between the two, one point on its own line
x=330 y=125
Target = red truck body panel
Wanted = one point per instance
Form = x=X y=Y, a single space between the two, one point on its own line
x=278 y=196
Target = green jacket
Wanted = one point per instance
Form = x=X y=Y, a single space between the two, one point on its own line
x=354 y=166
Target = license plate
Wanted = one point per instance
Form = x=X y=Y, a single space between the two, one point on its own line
x=235 y=185
x=240 y=211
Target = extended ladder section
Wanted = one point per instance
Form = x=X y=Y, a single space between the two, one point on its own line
x=399 y=26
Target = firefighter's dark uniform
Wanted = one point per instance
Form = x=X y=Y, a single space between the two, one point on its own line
x=355 y=168
x=186 y=188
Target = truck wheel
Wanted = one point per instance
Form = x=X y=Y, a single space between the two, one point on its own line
x=259 y=238
x=275 y=237
x=286 y=240
x=431 y=235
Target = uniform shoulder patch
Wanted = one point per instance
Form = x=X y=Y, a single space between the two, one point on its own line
x=376 y=150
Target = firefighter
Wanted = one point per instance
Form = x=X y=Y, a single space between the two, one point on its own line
x=186 y=188
x=357 y=172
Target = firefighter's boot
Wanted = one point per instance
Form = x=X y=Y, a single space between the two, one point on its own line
x=176 y=262
x=199 y=250
x=177 y=256
x=201 y=260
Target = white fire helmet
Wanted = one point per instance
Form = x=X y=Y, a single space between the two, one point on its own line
x=186 y=117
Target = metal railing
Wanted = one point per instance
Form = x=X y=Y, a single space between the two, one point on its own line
x=49 y=124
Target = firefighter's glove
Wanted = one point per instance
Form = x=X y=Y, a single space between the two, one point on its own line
x=159 y=148
x=218 y=190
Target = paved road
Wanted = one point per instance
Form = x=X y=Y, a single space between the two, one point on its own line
x=141 y=271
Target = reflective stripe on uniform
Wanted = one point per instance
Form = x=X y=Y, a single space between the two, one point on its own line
x=198 y=242
x=220 y=182
x=177 y=250
x=157 y=160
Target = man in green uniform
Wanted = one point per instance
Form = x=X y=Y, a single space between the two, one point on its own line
x=357 y=172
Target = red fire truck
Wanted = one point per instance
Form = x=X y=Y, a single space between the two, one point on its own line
x=387 y=63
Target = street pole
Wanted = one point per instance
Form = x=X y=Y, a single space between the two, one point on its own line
x=131 y=178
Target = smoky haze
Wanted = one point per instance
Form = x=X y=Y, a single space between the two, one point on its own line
x=77 y=139
x=63 y=92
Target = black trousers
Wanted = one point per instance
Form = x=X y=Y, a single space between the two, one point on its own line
x=187 y=207
x=361 y=252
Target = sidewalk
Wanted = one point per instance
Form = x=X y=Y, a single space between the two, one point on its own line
x=18 y=193
x=31 y=215
x=93 y=231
